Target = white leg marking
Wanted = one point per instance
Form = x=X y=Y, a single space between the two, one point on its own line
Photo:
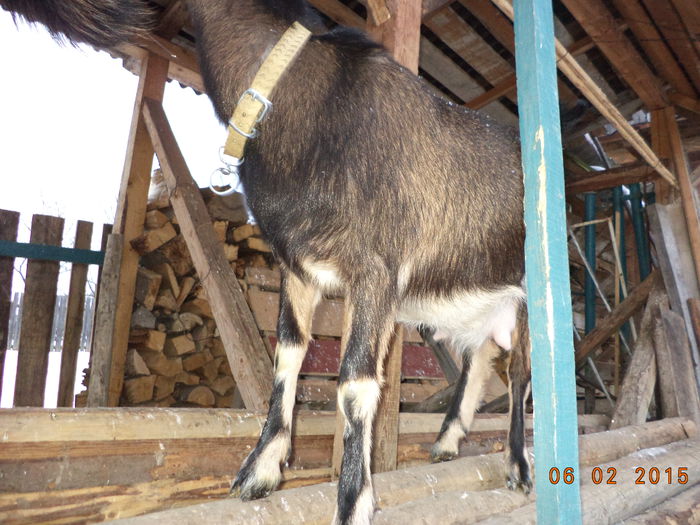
x=267 y=466
x=479 y=372
x=289 y=359
x=449 y=441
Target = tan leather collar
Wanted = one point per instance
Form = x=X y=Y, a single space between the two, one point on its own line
x=254 y=104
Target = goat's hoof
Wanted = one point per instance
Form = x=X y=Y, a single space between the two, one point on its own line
x=249 y=485
x=440 y=455
x=518 y=477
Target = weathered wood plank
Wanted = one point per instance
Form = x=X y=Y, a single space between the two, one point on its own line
x=612 y=178
x=74 y=318
x=9 y=222
x=615 y=319
x=37 y=315
x=249 y=361
x=103 y=337
x=130 y=215
x=638 y=385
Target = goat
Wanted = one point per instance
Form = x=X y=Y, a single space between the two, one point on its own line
x=363 y=182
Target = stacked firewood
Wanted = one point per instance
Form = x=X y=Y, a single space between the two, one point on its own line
x=175 y=356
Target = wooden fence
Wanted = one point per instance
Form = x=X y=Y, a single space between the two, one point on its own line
x=42 y=321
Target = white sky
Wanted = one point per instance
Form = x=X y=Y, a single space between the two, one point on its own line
x=65 y=114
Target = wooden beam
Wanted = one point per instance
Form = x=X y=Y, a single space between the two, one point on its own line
x=103 y=336
x=130 y=215
x=315 y=503
x=433 y=5
x=339 y=13
x=615 y=319
x=378 y=12
x=400 y=34
x=9 y=223
x=171 y=21
x=74 y=318
x=685 y=102
x=469 y=45
x=688 y=199
x=37 y=315
x=673 y=30
x=546 y=263
x=637 y=387
x=652 y=42
x=598 y=22
x=575 y=73
x=689 y=11
x=612 y=178
x=245 y=349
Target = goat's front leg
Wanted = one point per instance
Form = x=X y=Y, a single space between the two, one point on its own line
x=261 y=471
x=359 y=385
x=476 y=369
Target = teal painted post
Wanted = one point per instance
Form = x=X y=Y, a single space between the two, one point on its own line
x=640 y=232
x=588 y=285
x=547 y=265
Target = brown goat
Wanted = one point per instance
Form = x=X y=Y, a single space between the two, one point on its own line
x=362 y=182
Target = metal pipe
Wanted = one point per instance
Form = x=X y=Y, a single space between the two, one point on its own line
x=640 y=234
x=589 y=286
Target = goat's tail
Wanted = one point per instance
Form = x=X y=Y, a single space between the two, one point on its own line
x=101 y=23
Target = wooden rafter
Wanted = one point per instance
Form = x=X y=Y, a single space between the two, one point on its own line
x=651 y=41
x=673 y=30
x=575 y=73
x=612 y=178
x=598 y=22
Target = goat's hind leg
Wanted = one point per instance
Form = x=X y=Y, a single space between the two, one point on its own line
x=261 y=471
x=517 y=465
x=476 y=369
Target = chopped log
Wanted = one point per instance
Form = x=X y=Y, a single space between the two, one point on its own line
x=178 y=346
x=220 y=228
x=163 y=387
x=231 y=208
x=607 y=503
x=151 y=240
x=135 y=365
x=158 y=194
x=194 y=361
x=223 y=385
x=243 y=232
x=178 y=255
x=210 y=370
x=185 y=288
x=166 y=301
x=152 y=340
x=169 y=278
x=139 y=389
x=683 y=509
x=147 y=286
x=142 y=317
x=316 y=503
x=197 y=395
x=230 y=252
x=156 y=219
x=186 y=378
x=226 y=401
x=264 y=278
x=256 y=244
x=161 y=365
x=198 y=307
x=638 y=385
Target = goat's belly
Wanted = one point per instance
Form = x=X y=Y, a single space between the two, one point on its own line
x=468 y=318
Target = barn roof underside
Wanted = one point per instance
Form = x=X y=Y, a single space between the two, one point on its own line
x=643 y=54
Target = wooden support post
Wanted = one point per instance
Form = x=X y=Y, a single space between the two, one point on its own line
x=9 y=222
x=386 y=424
x=130 y=217
x=74 y=318
x=680 y=163
x=400 y=34
x=103 y=337
x=249 y=361
x=37 y=316
x=546 y=263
